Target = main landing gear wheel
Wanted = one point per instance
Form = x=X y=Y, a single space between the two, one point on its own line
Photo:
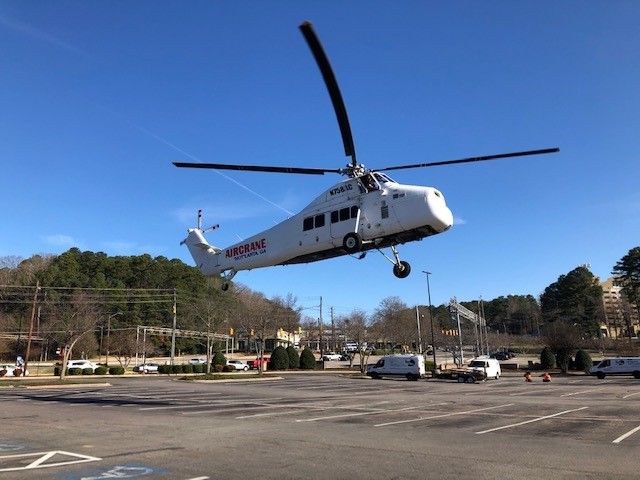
x=224 y=286
x=402 y=269
x=352 y=242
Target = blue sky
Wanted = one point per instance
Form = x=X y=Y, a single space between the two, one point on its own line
x=98 y=98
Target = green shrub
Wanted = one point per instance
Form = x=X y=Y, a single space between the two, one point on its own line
x=279 y=359
x=56 y=371
x=74 y=371
x=429 y=366
x=198 y=368
x=294 y=358
x=218 y=359
x=187 y=368
x=176 y=368
x=166 y=369
x=101 y=371
x=583 y=361
x=307 y=359
x=218 y=368
x=547 y=358
x=228 y=368
x=87 y=371
x=116 y=370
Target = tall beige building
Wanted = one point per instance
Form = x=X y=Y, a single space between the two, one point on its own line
x=621 y=316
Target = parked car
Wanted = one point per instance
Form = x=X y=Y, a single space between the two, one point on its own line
x=490 y=367
x=346 y=356
x=404 y=365
x=501 y=356
x=82 y=364
x=238 y=364
x=197 y=361
x=253 y=364
x=331 y=356
x=147 y=368
x=617 y=366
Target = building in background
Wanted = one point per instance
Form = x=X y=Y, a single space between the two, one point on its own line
x=621 y=316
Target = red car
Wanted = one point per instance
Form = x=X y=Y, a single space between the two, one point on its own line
x=254 y=363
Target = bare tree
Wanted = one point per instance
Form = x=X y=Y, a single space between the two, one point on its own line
x=211 y=314
x=124 y=346
x=357 y=328
x=70 y=324
x=564 y=340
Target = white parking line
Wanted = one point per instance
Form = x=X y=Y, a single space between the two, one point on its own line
x=628 y=434
x=532 y=390
x=377 y=412
x=578 y=393
x=442 y=416
x=530 y=421
x=631 y=395
x=210 y=404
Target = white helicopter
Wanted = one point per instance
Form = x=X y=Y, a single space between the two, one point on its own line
x=366 y=211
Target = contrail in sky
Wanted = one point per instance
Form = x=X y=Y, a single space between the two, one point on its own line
x=178 y=149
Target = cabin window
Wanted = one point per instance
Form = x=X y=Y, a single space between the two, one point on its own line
x=307 y=224
x=344 y=214
x=335 y=218
x=354 y=212
x=384 y=210
x=319 y=221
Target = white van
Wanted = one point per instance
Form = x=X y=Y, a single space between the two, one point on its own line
x=489 y=366
x=405 y=365
x=617 y=366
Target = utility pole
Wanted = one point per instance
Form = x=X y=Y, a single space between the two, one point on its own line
x=433 y=336
x=109 y=335
x=33 y=316
x=333 y=332
x=419 y=334
x=320 y=329
x=173 y=332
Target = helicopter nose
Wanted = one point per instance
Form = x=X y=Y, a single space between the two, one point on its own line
x=441 y=216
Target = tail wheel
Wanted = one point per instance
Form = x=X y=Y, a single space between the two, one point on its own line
x=225 y=287
x=402 y=269
x=352 y=242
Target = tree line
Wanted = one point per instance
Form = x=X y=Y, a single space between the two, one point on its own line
x=83 y=291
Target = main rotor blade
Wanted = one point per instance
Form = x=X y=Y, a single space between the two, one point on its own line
x=473 y=159
x=257 y=168
x=332 y=86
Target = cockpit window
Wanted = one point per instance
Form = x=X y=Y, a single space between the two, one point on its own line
x=381 y=177
x=369 y=183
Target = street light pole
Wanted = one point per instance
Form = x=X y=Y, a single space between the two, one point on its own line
x=433 y=336
x=108 y=333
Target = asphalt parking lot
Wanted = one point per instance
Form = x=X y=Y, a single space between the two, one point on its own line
x=324 y=427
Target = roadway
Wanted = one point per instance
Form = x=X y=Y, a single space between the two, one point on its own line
x=323 y=427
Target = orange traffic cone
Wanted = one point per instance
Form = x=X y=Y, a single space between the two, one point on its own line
x=546 y=377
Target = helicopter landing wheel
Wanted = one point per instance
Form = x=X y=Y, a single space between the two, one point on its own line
x=352 y=242
x=402 y=269
x=225 y=287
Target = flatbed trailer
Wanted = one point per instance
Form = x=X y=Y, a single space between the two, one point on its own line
x=461 y=375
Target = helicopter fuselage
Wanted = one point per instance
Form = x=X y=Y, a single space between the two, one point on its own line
x=381 y=212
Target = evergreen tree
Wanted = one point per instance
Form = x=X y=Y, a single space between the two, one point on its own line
x=307 y=359
x=583 y=361
x=547 y=358
x=294 y=358
x=279 y=359
x=574 y=299
x=627 y=272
